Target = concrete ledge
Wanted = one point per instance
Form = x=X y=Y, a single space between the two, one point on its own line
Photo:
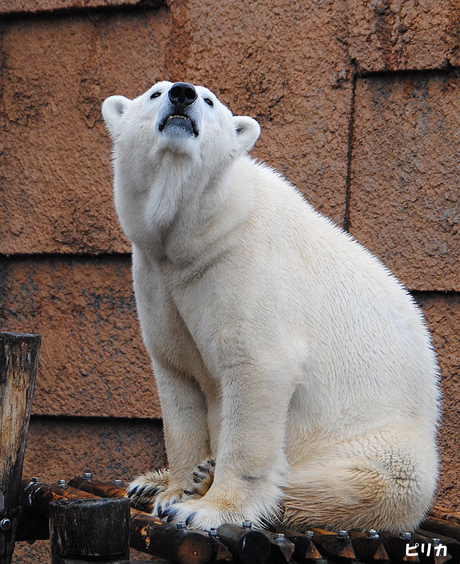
x=37 y=6
x=387 y=35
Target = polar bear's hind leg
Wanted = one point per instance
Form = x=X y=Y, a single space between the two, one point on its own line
x=389 y=492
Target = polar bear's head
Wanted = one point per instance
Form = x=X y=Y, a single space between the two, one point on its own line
x=181 y=118
x=169 y=144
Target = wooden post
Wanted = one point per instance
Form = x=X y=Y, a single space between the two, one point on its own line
x=89 y=529
x=18 y=370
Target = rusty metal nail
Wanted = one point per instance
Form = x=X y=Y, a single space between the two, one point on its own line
x=246 y=525
x=5 y=524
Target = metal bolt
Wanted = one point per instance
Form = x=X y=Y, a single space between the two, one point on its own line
x=5 y=524
x=62 y=483
x=280 y=537
x=309 y=534
x=213 y=533
x=342 y=535
x=372 y=534
x=87 y=476
x=35 y=480
x=406 y=535
x=246 y=525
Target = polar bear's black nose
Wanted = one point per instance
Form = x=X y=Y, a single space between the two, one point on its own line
x=182 y=94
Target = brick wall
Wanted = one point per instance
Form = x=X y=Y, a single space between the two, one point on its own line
x=358 y=103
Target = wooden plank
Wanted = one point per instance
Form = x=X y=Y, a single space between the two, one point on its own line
x=247 y=545
x=281 y=548
x=333 y=545
x=368 y=546
x=453 y=546
x=148 y=533
x=174 y=543
x=304 y=546
x=35 y=499
x=428 y=550
x=101 y=489
x=446 y=528
x=396 y=546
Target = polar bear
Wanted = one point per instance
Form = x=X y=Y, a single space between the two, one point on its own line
x=296 y=375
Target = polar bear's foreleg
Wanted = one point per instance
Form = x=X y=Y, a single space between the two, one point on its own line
x=186 y=437
x=251 y=468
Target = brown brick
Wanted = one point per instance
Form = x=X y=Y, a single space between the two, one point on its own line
x=405 y=202
x=64 y=447
x=442 y=312
x=55 y=183
x=55 y=177
x=393 y=35
x=92 y=360
x=286 y=64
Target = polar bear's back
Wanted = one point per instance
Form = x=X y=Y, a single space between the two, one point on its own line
x=365 y=347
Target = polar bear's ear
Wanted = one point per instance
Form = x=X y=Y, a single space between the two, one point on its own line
x=113 y=109
x=247 y=131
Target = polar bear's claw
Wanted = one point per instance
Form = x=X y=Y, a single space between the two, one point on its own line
x=203 y=477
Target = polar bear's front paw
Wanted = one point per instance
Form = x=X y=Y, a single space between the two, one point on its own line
x=143 y=491
x=202 y=479
x=198 y=514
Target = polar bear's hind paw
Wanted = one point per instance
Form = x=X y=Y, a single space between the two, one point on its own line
x=203 y=477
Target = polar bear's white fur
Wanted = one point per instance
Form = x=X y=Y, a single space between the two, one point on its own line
x=281 y=347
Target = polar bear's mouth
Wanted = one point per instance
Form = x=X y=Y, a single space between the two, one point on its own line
x=180 y=121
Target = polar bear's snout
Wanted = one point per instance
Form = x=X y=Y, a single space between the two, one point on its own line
x=182 y=94
x=179 y=118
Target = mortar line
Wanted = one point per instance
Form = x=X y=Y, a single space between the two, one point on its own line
x=351 y=125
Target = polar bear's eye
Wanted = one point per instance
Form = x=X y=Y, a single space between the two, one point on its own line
x=209 y=102
x=155 y=95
